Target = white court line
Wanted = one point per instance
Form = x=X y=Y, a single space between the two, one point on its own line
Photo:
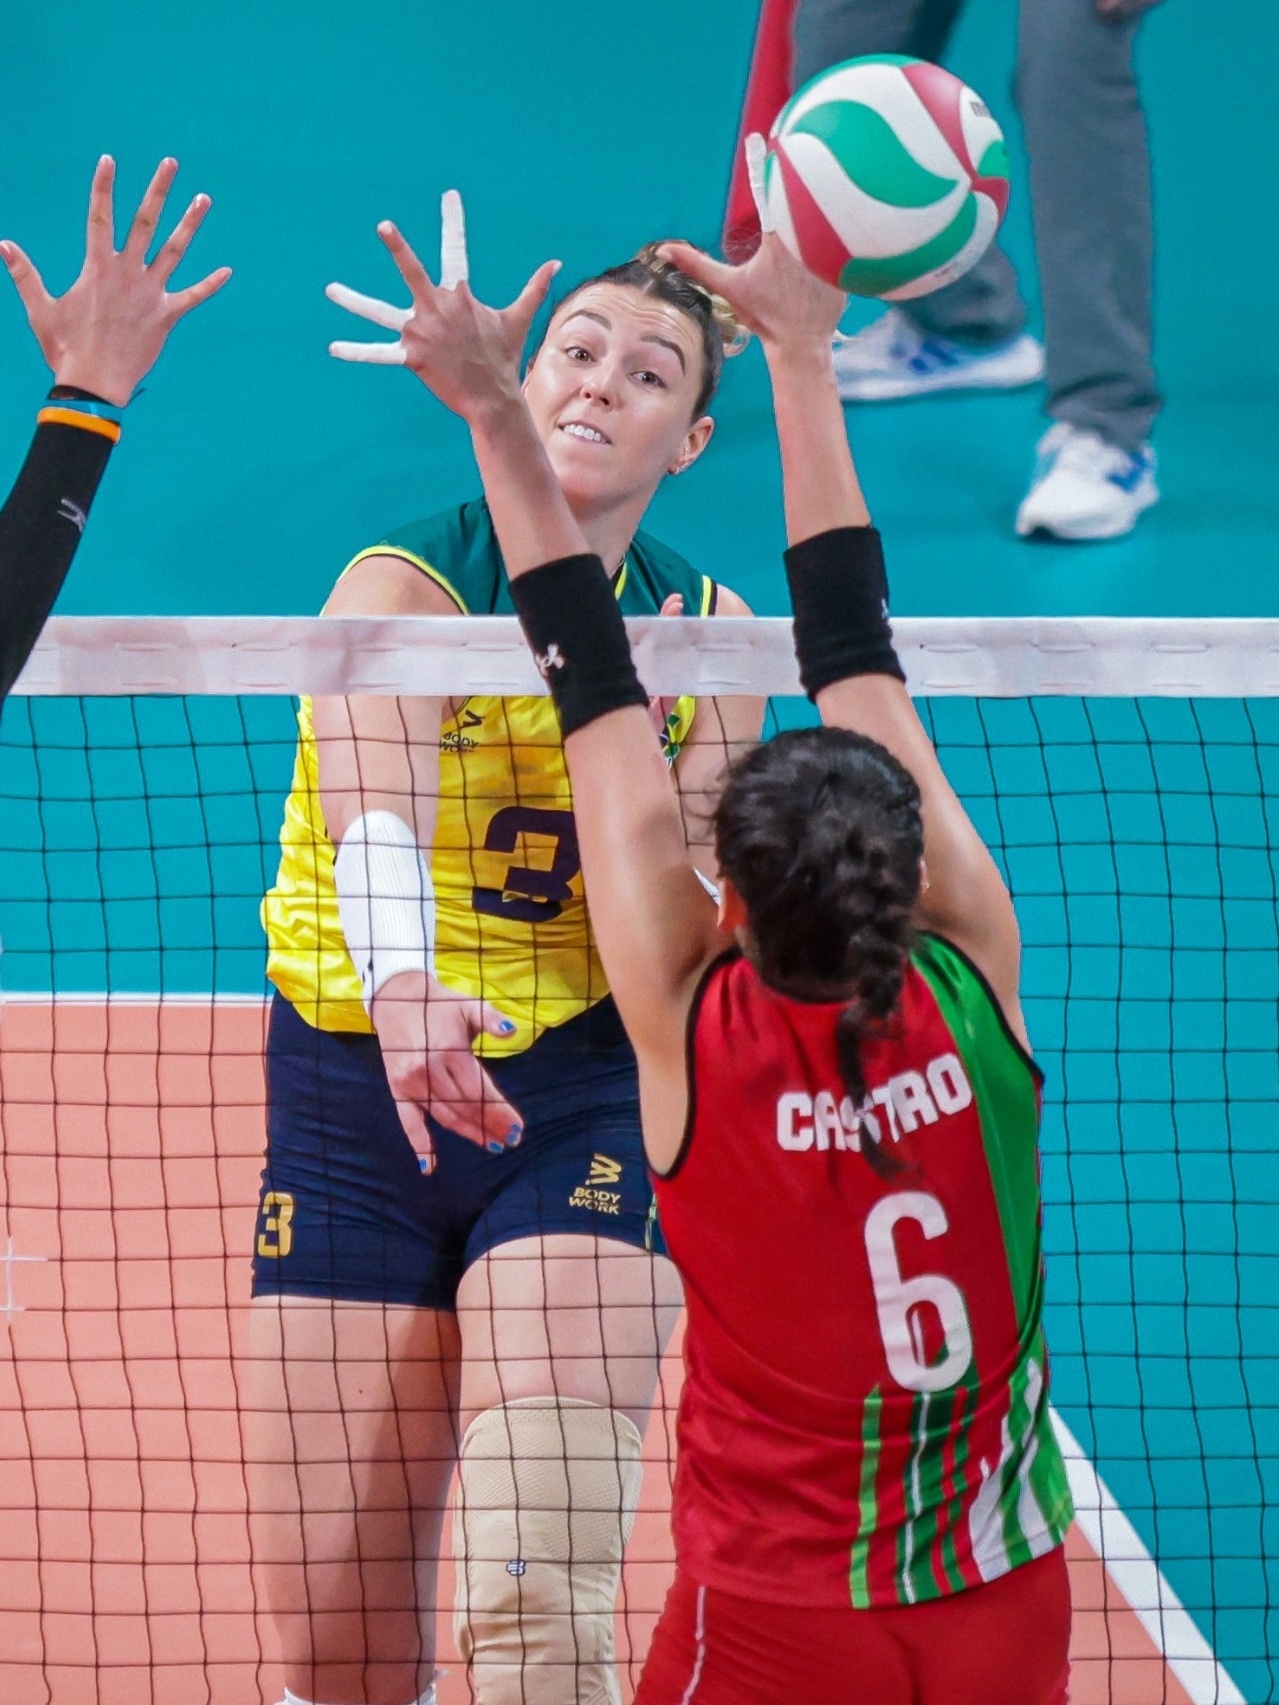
x=9 y=1307
x=1140 y=1579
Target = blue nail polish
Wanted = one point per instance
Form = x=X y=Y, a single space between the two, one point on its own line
x=506 y=1027
x=515 y=1136
x=494 y=1147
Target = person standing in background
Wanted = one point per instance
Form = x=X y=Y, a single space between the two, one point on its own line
x=1086 y=138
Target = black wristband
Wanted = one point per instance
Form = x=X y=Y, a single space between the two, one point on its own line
x=60 y=393
x=839 y=593
x=571 y=620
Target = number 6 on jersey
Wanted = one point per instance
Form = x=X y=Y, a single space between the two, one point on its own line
x=899 y=1300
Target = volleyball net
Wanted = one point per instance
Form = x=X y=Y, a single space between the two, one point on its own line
x=1124 y=774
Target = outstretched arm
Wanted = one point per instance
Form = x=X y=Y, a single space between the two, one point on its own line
x=654 y=923
x=794 y=317
x=100 y=339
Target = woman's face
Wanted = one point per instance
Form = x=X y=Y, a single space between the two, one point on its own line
x=612 y=392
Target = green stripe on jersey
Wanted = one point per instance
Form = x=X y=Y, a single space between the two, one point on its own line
x=947 y=1554
x=931 y=1416
x=867 y=1504
x=914 y=1535
x=1026 y=1508
x=1045 y=1483
x=1024 y=1389
x=1005 y=1089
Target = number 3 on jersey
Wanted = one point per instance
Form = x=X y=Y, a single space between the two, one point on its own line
x=906 y=1305
x=530 y=896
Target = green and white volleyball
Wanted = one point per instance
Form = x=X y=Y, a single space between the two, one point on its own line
x=886 y=176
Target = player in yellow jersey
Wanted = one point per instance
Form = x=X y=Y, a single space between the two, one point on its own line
x=456 y=1257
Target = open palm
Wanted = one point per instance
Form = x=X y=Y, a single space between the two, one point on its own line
x=106 y=333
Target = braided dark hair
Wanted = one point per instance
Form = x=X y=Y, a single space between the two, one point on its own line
x=651 y=275
x=820 y=832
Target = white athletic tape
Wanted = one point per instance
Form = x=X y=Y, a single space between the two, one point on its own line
x=381 y=314
x=386 y=901
x=369 y=307
x=376 y=354
x=756 y=154
x=454 y=267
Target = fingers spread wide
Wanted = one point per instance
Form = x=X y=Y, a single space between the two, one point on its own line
x=756 y=155
x=525 y=306
x=100 y=234
x=147 y=219
x=454 y=265
x=369 y=307
x=178 y=241
x=26 y=279
x=182 y=301
x=372 y=354
x=412 y=271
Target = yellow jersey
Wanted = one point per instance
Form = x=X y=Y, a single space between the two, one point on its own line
x=511 y=921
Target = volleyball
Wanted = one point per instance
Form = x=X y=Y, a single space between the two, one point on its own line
x=886 y=176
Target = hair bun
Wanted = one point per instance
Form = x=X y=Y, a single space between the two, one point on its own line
x=733 y=334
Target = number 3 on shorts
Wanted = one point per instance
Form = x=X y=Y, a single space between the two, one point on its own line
x=276 y=1237
x=899 y=1300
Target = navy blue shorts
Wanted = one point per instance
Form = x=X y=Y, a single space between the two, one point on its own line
x=346 y=1211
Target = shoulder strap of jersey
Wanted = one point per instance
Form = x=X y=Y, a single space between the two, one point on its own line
x=661 y=571
x=457 y=549
x=721 y=963
x=965 y=997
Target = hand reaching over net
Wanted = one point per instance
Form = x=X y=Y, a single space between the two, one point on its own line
x=106 y=332
x=468 y=354
x=100 y=338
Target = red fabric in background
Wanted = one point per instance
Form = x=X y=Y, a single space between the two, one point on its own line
x=768 y=89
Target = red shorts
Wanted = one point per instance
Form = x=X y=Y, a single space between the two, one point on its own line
x=1007 y=1643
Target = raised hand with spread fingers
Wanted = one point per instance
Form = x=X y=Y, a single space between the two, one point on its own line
x=100 y=338
x=465 y=352
x=106 y=332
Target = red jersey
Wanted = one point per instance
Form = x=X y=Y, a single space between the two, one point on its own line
x=865 y=1412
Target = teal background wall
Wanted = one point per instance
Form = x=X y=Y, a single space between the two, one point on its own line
x=254 y=464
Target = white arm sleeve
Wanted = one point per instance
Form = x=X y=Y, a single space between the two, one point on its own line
x=385 y=899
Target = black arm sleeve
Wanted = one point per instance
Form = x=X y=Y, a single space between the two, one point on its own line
x=40 y=527
x=571 y=620
x=839 y=592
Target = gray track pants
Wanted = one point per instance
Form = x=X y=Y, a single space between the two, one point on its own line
x=1090 y=195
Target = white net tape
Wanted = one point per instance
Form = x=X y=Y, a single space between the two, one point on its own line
x=944 y=656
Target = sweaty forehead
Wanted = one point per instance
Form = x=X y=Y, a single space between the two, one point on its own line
x=631 y=313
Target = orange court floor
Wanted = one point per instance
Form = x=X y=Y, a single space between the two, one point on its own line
x=131 y=1137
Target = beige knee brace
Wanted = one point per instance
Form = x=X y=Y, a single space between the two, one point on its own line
x=546 y=1503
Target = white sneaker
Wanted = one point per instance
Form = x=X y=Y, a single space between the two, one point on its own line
x=892 y=358
x=1084 y=488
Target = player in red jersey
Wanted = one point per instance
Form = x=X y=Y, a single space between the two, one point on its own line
x=840 y=1111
